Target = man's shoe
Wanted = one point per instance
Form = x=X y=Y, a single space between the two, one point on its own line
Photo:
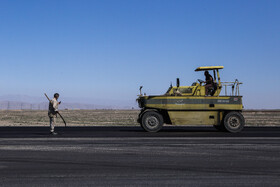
x=53 y=133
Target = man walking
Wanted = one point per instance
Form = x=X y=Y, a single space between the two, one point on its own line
x=52 y=113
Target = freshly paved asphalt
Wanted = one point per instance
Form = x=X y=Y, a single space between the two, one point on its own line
x=128 y=156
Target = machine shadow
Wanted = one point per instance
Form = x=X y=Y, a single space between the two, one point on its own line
x=121 y=131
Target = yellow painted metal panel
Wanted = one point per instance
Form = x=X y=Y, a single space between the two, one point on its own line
x=193 y=103
x=204 y=68
x=194 y=117
x=189 y=97
x=196 y=106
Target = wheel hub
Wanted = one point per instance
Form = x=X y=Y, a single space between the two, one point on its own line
x=152 y=122
x=234 y=122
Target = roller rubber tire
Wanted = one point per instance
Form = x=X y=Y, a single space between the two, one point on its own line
x=152 y=121
x=234 y=122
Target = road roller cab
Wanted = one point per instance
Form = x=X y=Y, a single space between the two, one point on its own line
x=189 y=105
x=198 y=88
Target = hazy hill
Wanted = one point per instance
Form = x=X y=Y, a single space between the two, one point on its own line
x=23 y=102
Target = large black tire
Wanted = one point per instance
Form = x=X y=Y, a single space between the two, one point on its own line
x=234 y=122
x=151 y=121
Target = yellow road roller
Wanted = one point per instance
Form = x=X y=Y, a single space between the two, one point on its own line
x=198 y=104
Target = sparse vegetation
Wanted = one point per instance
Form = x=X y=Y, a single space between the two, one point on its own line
x=72 y=117
x=112 y=118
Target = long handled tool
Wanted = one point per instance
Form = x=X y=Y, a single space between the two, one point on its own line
x=57 y=111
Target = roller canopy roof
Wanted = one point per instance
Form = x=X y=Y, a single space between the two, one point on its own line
x=204 y=68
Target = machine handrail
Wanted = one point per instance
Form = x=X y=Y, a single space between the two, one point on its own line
x=234 y=87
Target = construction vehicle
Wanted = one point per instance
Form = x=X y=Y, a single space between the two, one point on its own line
x=188 y=105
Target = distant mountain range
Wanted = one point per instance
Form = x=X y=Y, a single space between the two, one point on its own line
x=23 y=102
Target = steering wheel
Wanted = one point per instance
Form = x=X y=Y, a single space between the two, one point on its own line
x=200 y=81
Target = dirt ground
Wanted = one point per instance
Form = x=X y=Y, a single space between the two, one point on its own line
x=112 y=118
x=72 y=117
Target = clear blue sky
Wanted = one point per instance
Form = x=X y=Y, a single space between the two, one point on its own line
x=104 y=50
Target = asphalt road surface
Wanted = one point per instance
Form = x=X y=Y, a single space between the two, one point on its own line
x=128 y=156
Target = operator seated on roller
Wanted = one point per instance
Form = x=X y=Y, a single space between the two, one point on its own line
x=209 y=82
